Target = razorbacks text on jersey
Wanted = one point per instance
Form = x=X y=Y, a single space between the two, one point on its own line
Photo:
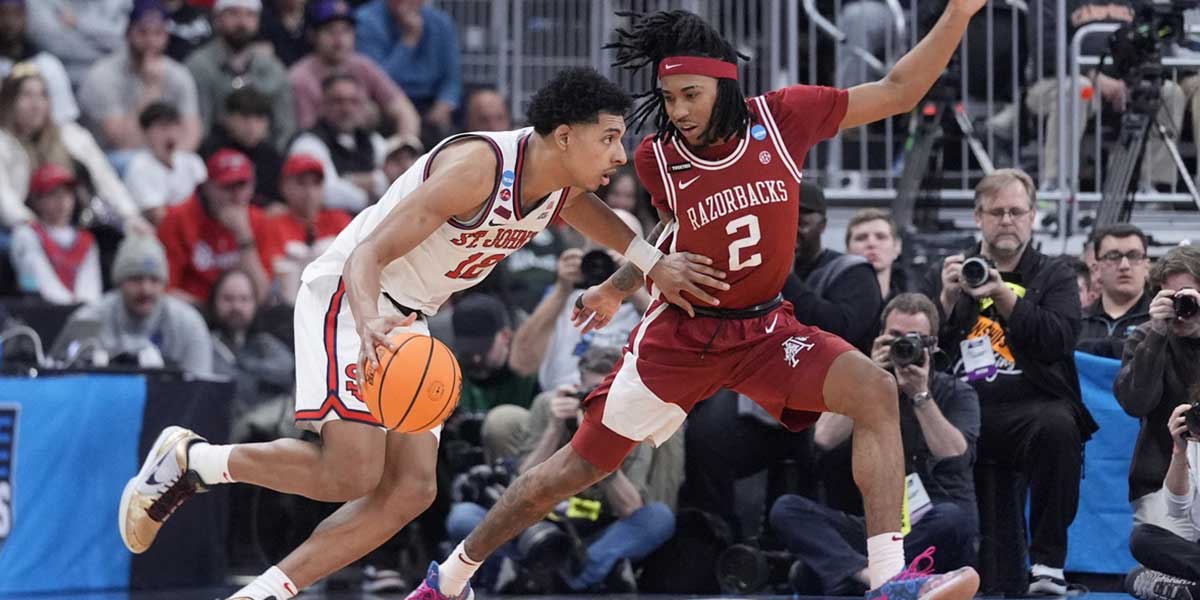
x=738 y=202
x=458 y=254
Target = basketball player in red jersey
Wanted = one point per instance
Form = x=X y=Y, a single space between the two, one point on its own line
x=724 y=174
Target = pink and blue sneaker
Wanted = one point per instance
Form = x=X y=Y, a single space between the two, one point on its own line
x=429 y=590
x=919 y=582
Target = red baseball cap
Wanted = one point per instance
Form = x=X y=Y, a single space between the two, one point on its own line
x=228 y=166
x=299 y=164
x=48 y=178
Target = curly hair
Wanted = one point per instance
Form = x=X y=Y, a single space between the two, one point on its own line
x=576 y=95
x=654 y=37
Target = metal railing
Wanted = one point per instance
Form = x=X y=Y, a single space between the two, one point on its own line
x=517 y=45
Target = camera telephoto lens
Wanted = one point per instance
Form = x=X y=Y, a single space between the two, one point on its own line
x=975 y=271
x=907 y=351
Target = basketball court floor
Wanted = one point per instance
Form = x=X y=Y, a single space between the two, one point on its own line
x=220 y=593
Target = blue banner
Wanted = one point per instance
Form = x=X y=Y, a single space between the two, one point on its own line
x=1098 y=541
x=62 y=439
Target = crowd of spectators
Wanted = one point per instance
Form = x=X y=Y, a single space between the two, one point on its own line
x=169 y=167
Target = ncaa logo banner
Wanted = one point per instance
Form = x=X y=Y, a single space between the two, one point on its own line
x=8 y=454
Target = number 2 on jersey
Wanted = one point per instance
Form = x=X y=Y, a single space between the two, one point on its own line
x=473 y=266
x=751 y=238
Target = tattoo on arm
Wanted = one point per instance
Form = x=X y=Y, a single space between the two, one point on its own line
x=629 y=277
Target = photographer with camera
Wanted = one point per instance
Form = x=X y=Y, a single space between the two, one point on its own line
x=939 y=421
x=616 y=522
x=1123 y=265
x=1172 y=559
x=1009 y=321
x=1158 y=367
x=1157 y=168
x=546 y=343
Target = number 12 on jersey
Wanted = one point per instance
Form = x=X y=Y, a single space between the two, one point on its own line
x=749 y=223
x=474 y=266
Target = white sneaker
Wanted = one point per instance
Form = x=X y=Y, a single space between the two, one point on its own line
x=161 y=486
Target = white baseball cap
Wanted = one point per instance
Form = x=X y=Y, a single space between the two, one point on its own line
x=254 y=5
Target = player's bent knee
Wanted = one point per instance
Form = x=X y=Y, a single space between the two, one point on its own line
x=415 y=492
x=861 y=390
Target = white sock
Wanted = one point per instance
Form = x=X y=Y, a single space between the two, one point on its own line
x=272 y=583
x=1044 y=570
x=885 y=557
x=211 y=462
x=456 y=571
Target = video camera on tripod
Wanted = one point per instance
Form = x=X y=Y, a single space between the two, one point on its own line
x=1136 y=50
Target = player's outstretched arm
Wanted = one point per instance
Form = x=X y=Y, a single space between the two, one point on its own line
x=912 y=76
x=460 y=180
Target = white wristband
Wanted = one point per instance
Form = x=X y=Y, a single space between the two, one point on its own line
x=642 y=254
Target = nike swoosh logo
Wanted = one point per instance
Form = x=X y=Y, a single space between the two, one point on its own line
x=153 y=479
x=669 y=67
x=683 y=185
x=773 y=321
x=493 y=223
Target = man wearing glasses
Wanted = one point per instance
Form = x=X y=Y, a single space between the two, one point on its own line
x=1123 y=267
x=1012 y=338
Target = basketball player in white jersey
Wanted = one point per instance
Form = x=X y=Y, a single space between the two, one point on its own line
x=440 y=228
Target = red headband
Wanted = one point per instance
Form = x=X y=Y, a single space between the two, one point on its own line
x=696 y=65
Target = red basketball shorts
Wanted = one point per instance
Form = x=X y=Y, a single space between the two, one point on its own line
x=674 y=361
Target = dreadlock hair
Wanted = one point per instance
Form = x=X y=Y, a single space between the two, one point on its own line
x=654 y=37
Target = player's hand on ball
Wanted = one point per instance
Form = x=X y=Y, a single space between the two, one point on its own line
x=680 y=272
x=595 y=308
x=373 y=333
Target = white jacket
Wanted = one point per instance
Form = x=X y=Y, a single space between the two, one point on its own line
x=16 y=168
x=1187 y=507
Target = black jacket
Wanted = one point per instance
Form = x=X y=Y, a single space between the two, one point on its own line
x=847 y=307
x=1157 y=370
x=1104 y=336
x=1041 y=331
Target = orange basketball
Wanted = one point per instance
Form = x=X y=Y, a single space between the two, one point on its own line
x=416 y=386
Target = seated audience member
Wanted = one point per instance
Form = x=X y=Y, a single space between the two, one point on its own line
x=872 y=235
x=261 y=366
x=351 y=153
x=624 y=192
x=139 y=323
x=400 y=152
x=1123 y=304
x=1088 y=293
x=482 y=339
x=244 y=128
x=939 y=422
x=285 y=28
x=29 y=138
x=487 y=110
x=189 y=28
x=232 y=61
x=78 y=32
x=1158 y=368
x=548 y=344
x=217 y=230
x=307 y=228
x=1024 y=318
x=1172 y=560
x=163 y=174
x=16 y=47
x=417 y=46
x=620 y=520
x=331 y=26
x=52 y=256
x=118 y=88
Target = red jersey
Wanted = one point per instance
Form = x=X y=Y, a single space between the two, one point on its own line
x=292 y=229
x=200 y=248
x=738 y=203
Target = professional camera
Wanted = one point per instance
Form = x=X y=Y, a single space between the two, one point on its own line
x=910 y=348
x=1186 y=306
x=1192 y=417
x=482 y=484
x=1137 y=46
x=595 y=266
x=975 y=271
x=573 y=422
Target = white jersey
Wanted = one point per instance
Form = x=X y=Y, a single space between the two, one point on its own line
x=458 y=254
